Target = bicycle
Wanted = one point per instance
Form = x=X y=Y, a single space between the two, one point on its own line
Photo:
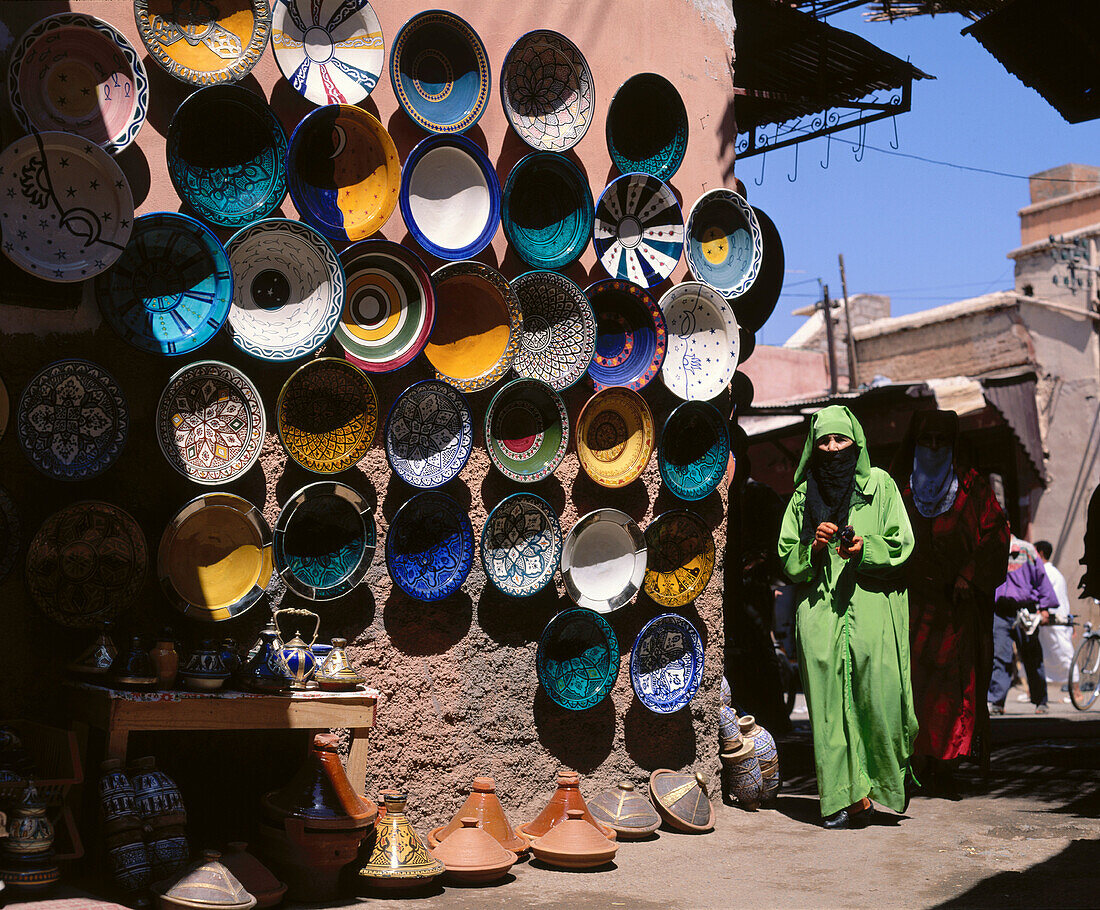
x=1084 y=670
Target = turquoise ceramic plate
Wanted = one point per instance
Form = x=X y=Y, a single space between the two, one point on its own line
x=577 y=659
x=647 y=126
x=723 y=242
x=547 y=210
x=694 y=449
x=521 y=545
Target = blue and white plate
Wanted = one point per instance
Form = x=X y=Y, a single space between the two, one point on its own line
x=429 y=434
x=639 y=231
x=666 y=665
x=73 y=420
x=704 y=341
x=577 y=659
x=557 y=340
x=723 y=242
x=169 y=292
x=694 y=450
x=630 y=335
x=430 y=546
x=288 y=289
x=521 y=545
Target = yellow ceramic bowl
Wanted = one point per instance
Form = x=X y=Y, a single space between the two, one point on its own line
x=615 y=436
x=681 y=557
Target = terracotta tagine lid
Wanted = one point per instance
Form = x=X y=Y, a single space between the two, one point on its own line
x=574 y=844
x=566 y=797
x=681 y=799
x=473 y=855
x=399 y=858
x=483 y=805
x=257 y=879
x=320 y=794
x=206 y=885
x=625 y=811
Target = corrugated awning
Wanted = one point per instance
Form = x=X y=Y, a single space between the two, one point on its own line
x=1014 y=397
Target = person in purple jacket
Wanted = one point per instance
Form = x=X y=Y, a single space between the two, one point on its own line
x=1026 y=588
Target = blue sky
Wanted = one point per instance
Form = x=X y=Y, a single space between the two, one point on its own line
x=923 y=233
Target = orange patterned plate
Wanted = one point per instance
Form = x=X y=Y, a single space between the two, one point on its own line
x=615 y=436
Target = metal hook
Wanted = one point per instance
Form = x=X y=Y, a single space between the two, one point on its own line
x=795 y=177
x=828 y=152
x=858 y=150
x=895 y=144
x=763 y=158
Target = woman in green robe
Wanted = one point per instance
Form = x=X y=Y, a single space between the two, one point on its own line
x=852 y=624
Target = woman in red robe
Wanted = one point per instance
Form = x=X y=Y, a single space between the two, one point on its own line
x=960 y=556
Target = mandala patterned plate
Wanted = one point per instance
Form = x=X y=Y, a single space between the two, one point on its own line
x=170 y=292
x=703 y=341
x=681 y=557
x=78 y=74
x=214 y=560
x=86 y=564
x=67 y=210
x=331 y=56
x=577 y=659
x=204 y=42
x=288 y=289
x=693 y=451
x=630 y=335
x=547 y=210
x=521 y=545
x=615 y=436
x=603 y=560
x=666 y=665
x=429 y=434
x=72 y=420
x=755 y=306
x=430 y=546
x=450 y=197
x=327 y=415
x=389 y=306
x=211 y=422
x=639 y=231
x=647 y=127
x=547 y=91
x=723 y=242
x=440 y=72
x=343 y=172
x=558 y=338
x=477 y=326
x=242 y=176
x=11 y=533
x=526 y=430
x=324 y=540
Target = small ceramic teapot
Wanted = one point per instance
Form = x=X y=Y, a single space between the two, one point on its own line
x=295 y=657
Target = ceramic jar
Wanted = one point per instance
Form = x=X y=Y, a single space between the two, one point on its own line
x=28 y=874
x=207 y=884
x=484 y=807
x=96 y=659
x=169 y=852
x=744 y=783
x=729 y=733
x=767 y=755
x=335 y=673
x=157 y=797
x=204 y=670
x=625 y=811
x=29 y=831
x=261 y=672
x=295 y=657
x=727 y=695
x=473 y=856
x=257 y=879
x=128 y=861
x=134 y=669
x=682 y=800
x=166 y=661
x=117 y=801
x=398 y=858
x=566 y=797
x=231 y=660
x=574 y=844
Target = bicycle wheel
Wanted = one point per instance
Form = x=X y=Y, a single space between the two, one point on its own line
x=1084 y=673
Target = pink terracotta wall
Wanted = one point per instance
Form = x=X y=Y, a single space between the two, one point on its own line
x=459 y=691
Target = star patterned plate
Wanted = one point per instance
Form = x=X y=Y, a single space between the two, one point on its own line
x=693 y=451
x=558 y=338
x=430 y=546
x=723 y=242
x=429 y=434
x=666 y=663
x=639 y=231
x=521 y=545
x=577 y=659
x=681 y=557
x=703 y=341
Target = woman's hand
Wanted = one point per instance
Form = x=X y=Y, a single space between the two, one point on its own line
x=854 y=550
x=962 y=593
x=823 y=536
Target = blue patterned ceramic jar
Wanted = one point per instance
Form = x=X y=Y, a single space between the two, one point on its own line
x=128 y=862
x=744 y=783
x=728 y=731
x=158 y=798
x=116 y=799
x=765 y=743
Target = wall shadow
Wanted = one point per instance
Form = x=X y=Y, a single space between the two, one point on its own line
x=420 y=628
x=581 y=740
x=659 y=740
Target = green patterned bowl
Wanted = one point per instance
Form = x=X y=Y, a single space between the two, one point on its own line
x=526 y=430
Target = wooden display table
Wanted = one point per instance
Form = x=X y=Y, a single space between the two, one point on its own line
x=119 y=713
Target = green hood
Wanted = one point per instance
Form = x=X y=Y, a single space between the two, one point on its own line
x=836 y=419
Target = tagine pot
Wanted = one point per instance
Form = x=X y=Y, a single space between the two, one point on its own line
x=335 y=673
x=207 y=885
x=133 y=669
x=472 y=856
x=96 y=659
x=681 y=799
x=257 y=879
x=574 y=844
x=566 y=797
x=320 y=794
x=483 y=805
x=204 y=670
x=311 y=862
x=399 y=858
x=261 y=671
x=625 y=811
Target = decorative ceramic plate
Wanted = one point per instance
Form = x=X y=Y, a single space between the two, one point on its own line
x=343 y=172
x=288 y=289
x=630 y=335
x=521 y=545
x=214 y=560
x=666 y=665
x=603 y=560
x=11 y=533
x=331 y=56
x=615 y=436
x=526 y=430
x=477 y=326
x=547 y=91
x=86 y=564
x=723 y=243
x=450 y=197
x=170 y=292
x=211 y=422
x=429 y=434
x=577 y=659
x=389 y=306
x=327 y=415
x=324 y=540
x=440 y=72
x=754 y=306
x=639 y=231
x=67 y=212
x=681 y=557
x=430 y=546
x=703 y=341
x=558 y=338
x=72 y=420
x=693 y=451
x=78 y=74
x=547 y=210
x=239 y=178
x=647 y=126
x=204 y=42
